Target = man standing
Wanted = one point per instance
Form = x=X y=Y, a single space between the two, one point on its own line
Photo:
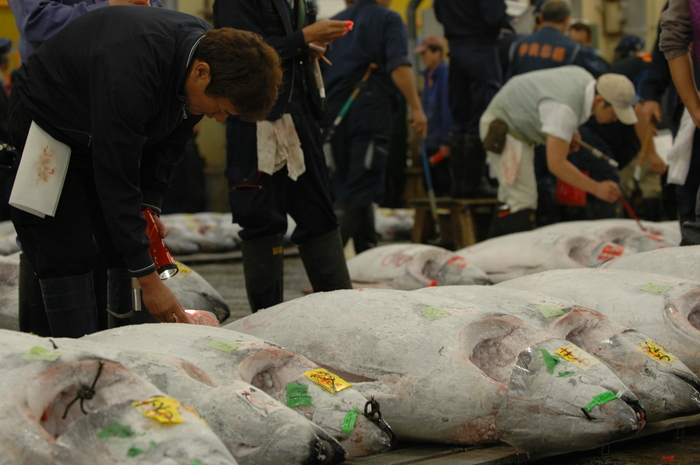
x=472 y=28
x=360 y=144
x=125 y=130
x=277 y=167
x=546 y=107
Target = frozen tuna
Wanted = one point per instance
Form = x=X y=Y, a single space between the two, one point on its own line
x=412 y=266
x=666 y=388
x=280 y=373
x=9 y=294
x=461 y=376
x=248 y=421
x=681 y=262
x=194 y=292
x=66 y=406
x=664 y=307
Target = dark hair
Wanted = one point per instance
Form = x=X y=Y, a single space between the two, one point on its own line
x=555 y=11
x=582 y=27
x=244 y=69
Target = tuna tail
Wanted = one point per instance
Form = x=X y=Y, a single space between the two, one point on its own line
x=328 y=450
x=374 y=415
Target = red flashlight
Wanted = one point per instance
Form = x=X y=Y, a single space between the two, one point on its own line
x=165 y=265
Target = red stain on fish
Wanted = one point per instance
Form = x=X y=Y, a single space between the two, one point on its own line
x=44 y=166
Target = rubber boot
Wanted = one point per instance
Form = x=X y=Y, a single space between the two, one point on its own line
x=459 y=182
x=70 y=305
x=120 y=303
x=349 y=219
x=263 y=269
x=477 y=184
x=32 y=315
x=324 y=262
x=365 y=237
x=504 y=222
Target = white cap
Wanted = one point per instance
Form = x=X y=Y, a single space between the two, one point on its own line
x=619 y=92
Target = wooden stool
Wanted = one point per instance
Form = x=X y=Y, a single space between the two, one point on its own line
x=461 y=227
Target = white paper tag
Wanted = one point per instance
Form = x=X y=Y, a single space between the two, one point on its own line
x=41 y=173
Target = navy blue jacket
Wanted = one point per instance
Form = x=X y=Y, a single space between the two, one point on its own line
x=110 y=85
x=275 y=21
x=379 y=36
x=549 y=48
x=482 y=19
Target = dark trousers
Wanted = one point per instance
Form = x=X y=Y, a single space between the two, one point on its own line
x=261 y=206
x=475 y=77
x=65 y=244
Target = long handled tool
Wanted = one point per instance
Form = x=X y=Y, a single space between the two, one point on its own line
x=631 y=213
x=598 y=154
x=351 y=100
x=431 y=194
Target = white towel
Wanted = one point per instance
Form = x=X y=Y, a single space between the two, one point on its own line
x=681 y=150
x=508 y=160
x=279 y=145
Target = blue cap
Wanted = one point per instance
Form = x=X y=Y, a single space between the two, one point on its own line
x=5 y=46
x=630 y=43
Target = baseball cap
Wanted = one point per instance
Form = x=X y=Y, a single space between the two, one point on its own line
x=619 y=92
x=429 y=40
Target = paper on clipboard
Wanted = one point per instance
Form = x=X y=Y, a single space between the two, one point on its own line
x=41 y=173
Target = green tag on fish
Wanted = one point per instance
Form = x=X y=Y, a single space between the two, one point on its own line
x=656 y=288
x=222 y=345
x=434 y=313
x=134 y=451
x=115 y=430
x=550 y=360
x=298 y=395
x=349 y=421
x=601 y=399
x=39 y=353
x=548 y=311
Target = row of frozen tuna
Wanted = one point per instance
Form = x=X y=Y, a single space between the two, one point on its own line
x=210 y=232
x=566 y=245
x=553 y=362
x=169 y=394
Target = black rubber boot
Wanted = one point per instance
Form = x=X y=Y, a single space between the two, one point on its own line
x=468 y=168
x=70 y=305
x=120 y=304
x=263 y=269
x=504 y=223
x=32 y=315
x=459 y=182
x=349 y=220
x=654 y=209
x=324 y=262
x=366 y=235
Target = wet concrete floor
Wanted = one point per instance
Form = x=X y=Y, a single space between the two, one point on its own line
x=679 y=446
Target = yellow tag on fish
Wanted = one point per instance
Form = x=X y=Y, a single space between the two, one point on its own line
x=327 y=380
x=163 y=409
x=182 y=268
x=656 y=352
x=574 y=354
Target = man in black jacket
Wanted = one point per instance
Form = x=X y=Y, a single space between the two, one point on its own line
x=277 y=167
x=123 y=87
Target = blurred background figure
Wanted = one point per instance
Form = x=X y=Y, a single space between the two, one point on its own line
x=436 y=104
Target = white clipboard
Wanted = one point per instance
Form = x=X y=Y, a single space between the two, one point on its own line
x=41 y=173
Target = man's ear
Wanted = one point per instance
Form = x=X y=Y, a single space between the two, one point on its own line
x=201 y=70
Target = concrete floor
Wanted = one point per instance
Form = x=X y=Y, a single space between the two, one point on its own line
x=678 y=446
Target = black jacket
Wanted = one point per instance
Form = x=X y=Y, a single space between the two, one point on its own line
x=110 y=85
x=276 y=22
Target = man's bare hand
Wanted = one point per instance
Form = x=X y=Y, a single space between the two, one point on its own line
x=160 y=301
x=608 y=191
x=325 y=31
